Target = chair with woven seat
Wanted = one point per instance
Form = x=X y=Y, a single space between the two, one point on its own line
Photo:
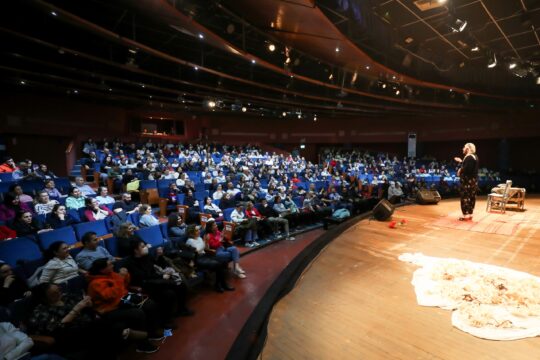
x=498 y=201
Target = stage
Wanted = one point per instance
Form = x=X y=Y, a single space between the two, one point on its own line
x=356 y=301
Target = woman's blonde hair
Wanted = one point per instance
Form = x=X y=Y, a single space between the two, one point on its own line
x=471 y=147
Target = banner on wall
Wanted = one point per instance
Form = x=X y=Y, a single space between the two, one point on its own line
x=411 y=145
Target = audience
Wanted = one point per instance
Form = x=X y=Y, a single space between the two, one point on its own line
x=91 y=251
x=44 y=204
x=58 y=218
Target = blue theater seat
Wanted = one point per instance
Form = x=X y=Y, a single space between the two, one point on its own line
x=152 y=235
x=19 y=249
x=98 y=227
x=65 y=234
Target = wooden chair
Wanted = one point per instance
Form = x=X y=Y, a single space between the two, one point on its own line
x=96 y=179
x=228 y=231
x=204 y=218
x=150 y=196
x=498 y=201
x=182 y=211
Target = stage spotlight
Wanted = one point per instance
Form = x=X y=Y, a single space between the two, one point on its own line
x=211 y=104
x=538 y=80
x=253 y=61
x=442 y=1
x=284 y=114
x=353 y=80
x=337 y=49
x=22 y=82
x=315 y=117
x=459 y=25
x=201 y=36
x=271 y=47
x=53 y=13
x=299 y=116
x=475 y=49
x=302 y=146
x=398 y=92
x=331 y=76
x=492 y=62
x=383 y=86
x=512 y=65
x=287 y=60
x=244 y=109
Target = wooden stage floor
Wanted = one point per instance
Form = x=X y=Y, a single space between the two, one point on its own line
x=356 y=300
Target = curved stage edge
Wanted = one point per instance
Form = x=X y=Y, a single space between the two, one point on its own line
x=356 y=300
x=251 y=339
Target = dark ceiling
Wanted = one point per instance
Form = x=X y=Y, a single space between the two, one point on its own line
x=182 y=55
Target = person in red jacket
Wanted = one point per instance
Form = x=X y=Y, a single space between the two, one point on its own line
x=8 y=166
x=263 y=225
x=7 y=233
x=108 y=290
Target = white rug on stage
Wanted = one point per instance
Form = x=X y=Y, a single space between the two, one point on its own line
x=489 y=302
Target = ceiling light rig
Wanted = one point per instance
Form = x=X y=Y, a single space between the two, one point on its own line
x=458 y=25
x=271 y=47
x=492 y=62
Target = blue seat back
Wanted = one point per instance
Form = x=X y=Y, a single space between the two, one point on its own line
x=151 y=235
x=227 y=213
x=64 y=234
x=98 y=227
x=164 y=230
x=148 y=184
x=19 y=249
x=134 y=218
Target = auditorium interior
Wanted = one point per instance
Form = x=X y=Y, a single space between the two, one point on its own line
x=269 y=179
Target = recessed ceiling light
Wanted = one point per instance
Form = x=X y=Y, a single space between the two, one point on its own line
x=201 y=36
x=53 y=13
x=337 y=49
x=284 y=114
x=368 y=67
x=244 y=109
x=22 y=82
x=75 y=91
x=271 y=47
x=195 y=68
x=475 y=49
x=512 y=65
x=253 y=61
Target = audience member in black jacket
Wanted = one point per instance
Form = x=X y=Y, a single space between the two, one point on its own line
x=25 y=224
x=58 y=218
x=170 y=295
x=12 y=287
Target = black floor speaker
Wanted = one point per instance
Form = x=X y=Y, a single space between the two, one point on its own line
x=425 y=197
x=383 y=210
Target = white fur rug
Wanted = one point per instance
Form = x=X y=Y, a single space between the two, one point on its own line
x=487 y=301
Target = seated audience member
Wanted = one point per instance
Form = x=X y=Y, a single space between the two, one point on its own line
x=71 y=322
x=168 y=293
x=313 y=205
x=194 y=207
x=60 y=266
x=103 y=198
x=224 y=251
x=147 y=219
x=283 y=212
x=268 y=224
x=58 y=218
x=212 y=209
x=395 y=193
x=176 y=229
x=85 y=189
x=12 y=287
x=11 y=207
x=126 y=204
x=125 y=235
x=25 y=224
x=115 y=174
x=44 y=204
x=6 y=233
x=8 y=166
x=172 y=193
x=245 y=226
x=75 y=200
x=227 y=201
x=52 y=190
x=24 y=172
x=23 y=198
x=204 y=261
x=91 y=251
x=218 y=194
x=94 y=211
x=106 y=288
x=44 y=173
x=14 y=344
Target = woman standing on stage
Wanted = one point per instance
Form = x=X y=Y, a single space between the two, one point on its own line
x=468 y=174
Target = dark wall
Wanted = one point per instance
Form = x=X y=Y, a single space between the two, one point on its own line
x=442 y=135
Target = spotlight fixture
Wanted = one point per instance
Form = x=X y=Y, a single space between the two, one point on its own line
x=512 y=65
x=287 y=60
x=383 y=86
x=75 y=91
x=299 y=116
x=398 y=92
x=315 y=117
x=441 y=1
x=302 y=146
x=253 y=61
x=284 y=114
x=53 y=13
x=538 y=80
x=201 y=36
x=244 y=109
x=195 y=68
x=367 y=67
x=459 y=25
x=271 y=47
x=133 y=51
x=353 y=80
x=337 y=49
x=211 y=104
x=22 y=82
x=475 y=49
x=492 y=62
x=331 y=76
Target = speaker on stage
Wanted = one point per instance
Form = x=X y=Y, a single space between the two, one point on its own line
x=383 y=210
x=425 y=197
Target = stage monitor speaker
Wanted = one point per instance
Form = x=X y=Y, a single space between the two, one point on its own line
x=425 y=197
x=383 y=210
